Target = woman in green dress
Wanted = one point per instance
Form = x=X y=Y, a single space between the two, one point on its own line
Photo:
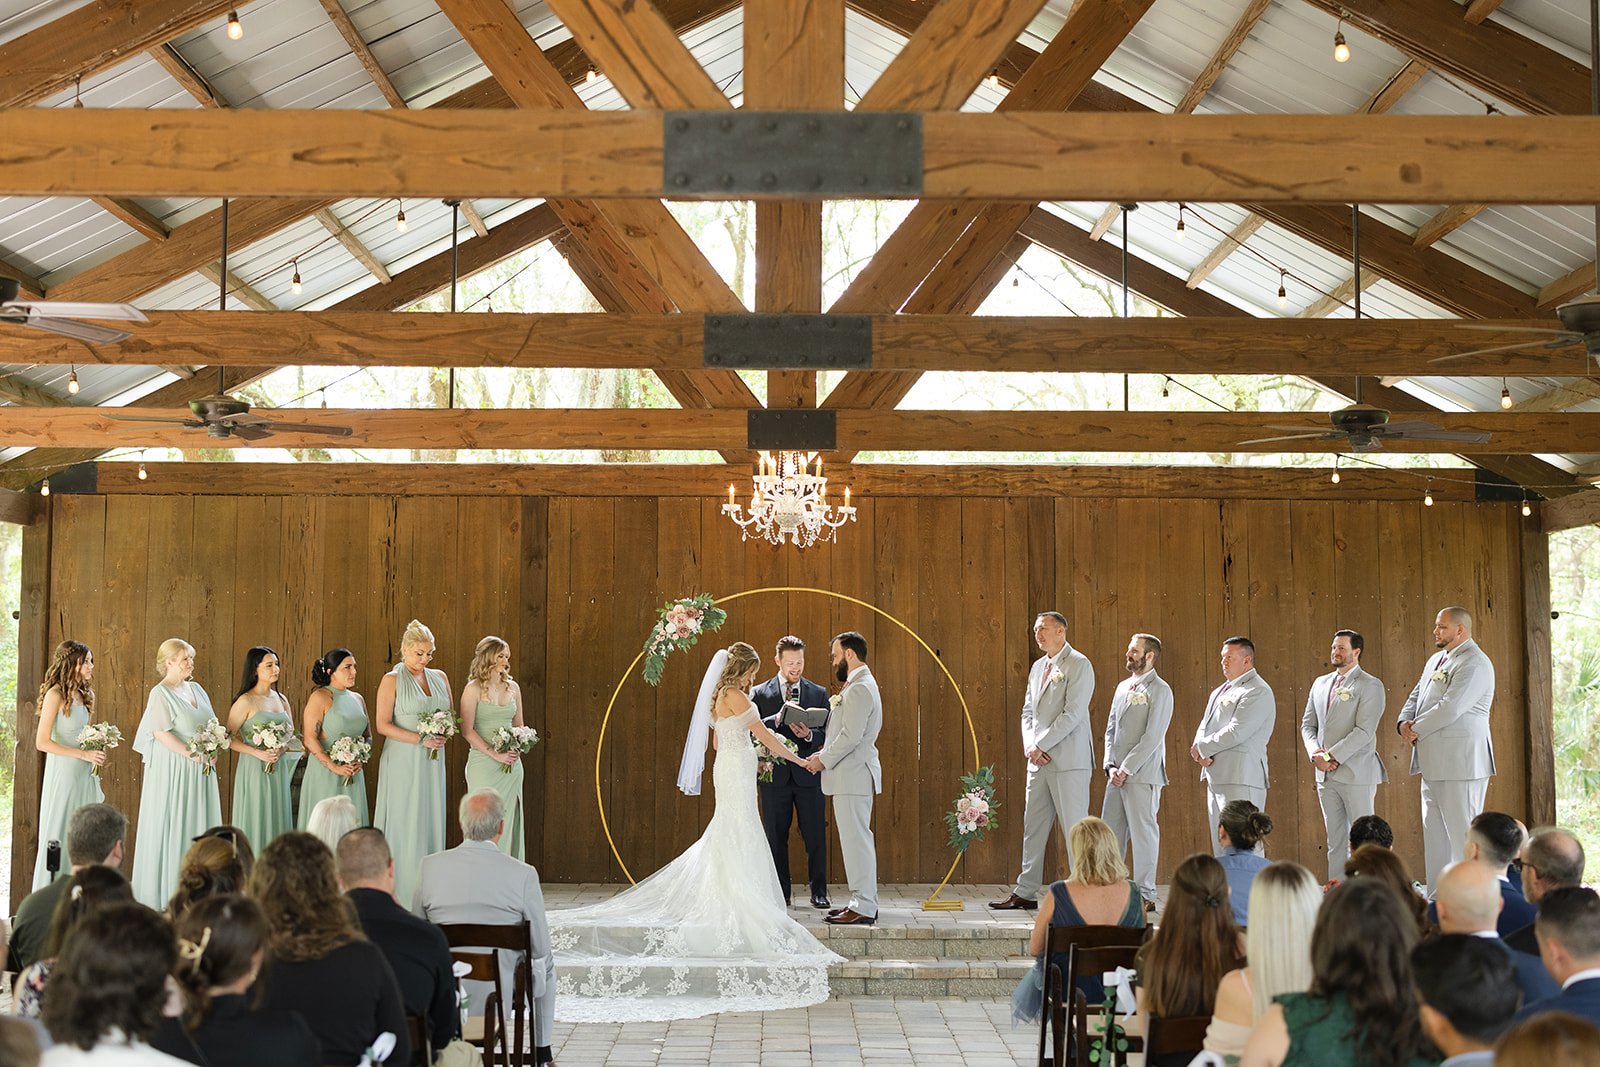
x=262 y=807
x=411 y=785
x=492 y=701
x=66 y=700
x=335 y=710
x=179 y=798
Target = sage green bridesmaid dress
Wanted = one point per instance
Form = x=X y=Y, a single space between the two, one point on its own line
x=262 y=807
x=411 y=787
x=69 y=784
x=179 y=799
x=345 y=717
x=484 y=772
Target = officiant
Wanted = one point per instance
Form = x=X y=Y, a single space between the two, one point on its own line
x=794 y=792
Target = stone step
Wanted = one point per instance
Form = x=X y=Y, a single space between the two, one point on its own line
x=979 y=939
x=927 y=977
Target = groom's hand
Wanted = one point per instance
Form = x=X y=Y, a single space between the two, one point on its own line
x=813 y=764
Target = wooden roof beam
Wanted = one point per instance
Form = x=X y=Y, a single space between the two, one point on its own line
x=131 y=214
x=948 y=56
x=352 y=244
x=358 y=47
x=28 y=286
x=640 y=52
x=15 y=389
x=474 y=219
x=1562 y=397
x=1231 y=242
x=1573 y=284
x=238 y=288
x=191 y=80
x=1340 y=297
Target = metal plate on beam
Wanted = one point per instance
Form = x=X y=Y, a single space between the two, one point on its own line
x=797 y=430
x=788 y=342
x=793 y=153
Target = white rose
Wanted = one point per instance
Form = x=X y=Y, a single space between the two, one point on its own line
x=1344 y=695
x=1440 y=675
x=1138 y=697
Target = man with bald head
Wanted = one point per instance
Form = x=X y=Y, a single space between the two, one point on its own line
x=1552 y=859
x=1469 y=902
x=1446 y=721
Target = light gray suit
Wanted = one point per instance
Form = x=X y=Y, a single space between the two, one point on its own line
x=851 y=776
x=1342 y=717
x=1233 y=734
x=1453 y=752
x=1136 y=743
x=477 y=883
x=1055 y=718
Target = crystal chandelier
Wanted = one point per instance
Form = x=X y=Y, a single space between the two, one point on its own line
x=789 y=502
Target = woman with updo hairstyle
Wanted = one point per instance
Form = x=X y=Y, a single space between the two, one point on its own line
x=109 y=988
x=1241 y=829
x=262 y=776
x=411 y=807
x=1196 y=944
x=334 y=710
x=492 y=701
x=66 y=704
x=86 y=892
x=179 y=798
x=210 y=868
x=222 y=943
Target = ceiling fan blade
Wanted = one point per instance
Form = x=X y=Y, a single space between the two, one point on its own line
x=1291 y=437
x=1437 y=434
x=1562 y=341
x=155 y=418
x=74 y=309
x=248 y=432
x=249 y=418
x=1369 y=444
x=78 y=331
x=1407 y=426
x=303 y=427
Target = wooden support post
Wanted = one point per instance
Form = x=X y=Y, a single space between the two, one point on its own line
x=1540 y=706
x=33 y=649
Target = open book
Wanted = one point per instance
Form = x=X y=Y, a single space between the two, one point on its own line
x=811 y=718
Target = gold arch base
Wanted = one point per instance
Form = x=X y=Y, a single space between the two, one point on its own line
x=934 y=902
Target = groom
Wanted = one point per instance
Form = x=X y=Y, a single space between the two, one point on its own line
x=851 y=776
x=794 y=791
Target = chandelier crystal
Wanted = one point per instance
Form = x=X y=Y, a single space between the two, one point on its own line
x=789 y=502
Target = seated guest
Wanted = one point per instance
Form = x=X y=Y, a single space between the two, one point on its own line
x=108 y=989
x=1197 y=943
x=18 y=1045
x=477 y=883
x=91 y=889
x=1469 y=902
x=1493 y=841
x=331 y=819
x=240 y=842
x=416 y=949
x=94 y=837
x=1361 y=1009
x=221 y=943
x=1097 y=892
x=1370 y=861
x=1468 y=995
x=1371 y=830
x=321 y=965
x=1569 y=943
x=1554 y=1039
x=1283 y=910
x=211 y=867
x=1241 y=829
x=1552 y=859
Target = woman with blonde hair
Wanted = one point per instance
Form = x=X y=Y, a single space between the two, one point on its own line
x=491 y=702
x=179 y=798
x=1283 y=912
x=1096 y=892
x=71 y=774
x=411 y=784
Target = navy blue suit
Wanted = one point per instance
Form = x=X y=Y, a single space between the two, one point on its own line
x=794 y=792
x=1515 y=911
x=1534 y=981
x=1581 y=999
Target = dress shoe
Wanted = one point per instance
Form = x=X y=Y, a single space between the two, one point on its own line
x=1014 y=903
x=851 y=918
x=820 y=902
x=838 y=911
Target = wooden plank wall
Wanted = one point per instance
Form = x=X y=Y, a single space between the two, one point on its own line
x=571 y=582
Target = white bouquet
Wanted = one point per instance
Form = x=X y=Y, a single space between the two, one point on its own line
x=271 y=736
x=347 y=751
x=767 y=760
x=518 y=739
x=442 y=723
x=207 y=742
x=99 y=737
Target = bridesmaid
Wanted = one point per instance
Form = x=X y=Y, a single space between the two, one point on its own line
x=335 y=710
x=66 y=700
x=411 y=787
x=179 y=799
x=492 y=700
x=262 y=807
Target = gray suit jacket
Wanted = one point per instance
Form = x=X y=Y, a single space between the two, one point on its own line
x=477 y=883
x=1136 y=734
x=1055 y=713
x=1451 y=716
x=1348 y=729
x=850 y=758
x=1235 y=730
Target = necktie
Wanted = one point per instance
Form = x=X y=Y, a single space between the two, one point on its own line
x=1049 y=668
x=1333 y=691
x=794 y=692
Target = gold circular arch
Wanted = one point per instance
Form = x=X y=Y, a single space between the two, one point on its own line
x=600 y=745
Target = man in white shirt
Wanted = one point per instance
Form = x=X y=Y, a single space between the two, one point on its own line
x=1340 y=731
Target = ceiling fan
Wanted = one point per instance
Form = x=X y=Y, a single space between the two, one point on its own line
x=61 y=316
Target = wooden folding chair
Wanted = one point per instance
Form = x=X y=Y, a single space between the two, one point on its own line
x=1177 y=1039
x=421 y=1043
x=487 y=1031
x=1055 y=1014
x=1105 y=949
x=1052 y=1019
x=515 y=938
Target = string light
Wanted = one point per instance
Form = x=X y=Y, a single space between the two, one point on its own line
x=1283 y=291
x=235 y=27
x=1341 y=51
x=400 y=218
x=1427 y=494
x=1527 y=508
x=993 y=80
x=294 y=283
x=72 y=382
x=1166 y=386
x=590 y=75
x=143 y=474
x=77 y=92
x=1335 y=476
x=1505 y=395
x=1016 y=281
x=44 y=487
x=1181 y=227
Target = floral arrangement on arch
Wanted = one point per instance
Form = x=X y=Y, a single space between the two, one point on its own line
x=679 y=628
x=973 y=814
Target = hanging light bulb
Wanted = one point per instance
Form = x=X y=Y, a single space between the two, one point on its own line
x=1505 y=395
x=1016 y=281
x=993 y=80
x=1527 y=508
x=590 y=75
x=1179 y=232
x=1427 y=494
x=294 y=283
x=1341 y=51
x=1334 y=478
x=1283 y=291
x=324 y=394
x=235 y=27
x=44 y=487
x=143 y=474
x=400 y=218
x=72 y=382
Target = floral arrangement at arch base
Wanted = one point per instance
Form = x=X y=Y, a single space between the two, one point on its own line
x=973 y=814
x=680 y=624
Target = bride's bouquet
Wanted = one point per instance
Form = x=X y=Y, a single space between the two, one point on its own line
x=974 y=813
x=271 y=737
x=767 y=762
x=441 y=723
x=680 y=625
x=207 y=741
x=518 y=739
x=349 y=750
x=99 y=737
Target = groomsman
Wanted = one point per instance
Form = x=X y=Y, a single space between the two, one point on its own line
x=1136 y=760
x=1060 y=752
x=1446 y=720
x=1340 y=731
x=1231 y=744
x=794 y=791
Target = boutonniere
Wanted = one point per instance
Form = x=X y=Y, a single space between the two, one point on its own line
x=1232 y=698
x=1440 y=675
x=835 y=700
x=1138 y=697
x=1056 y=674
x=1343 y=694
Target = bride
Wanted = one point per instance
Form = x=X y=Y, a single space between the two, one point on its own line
x=709 y=932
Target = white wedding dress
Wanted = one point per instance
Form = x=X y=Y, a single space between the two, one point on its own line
x=707 y=933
